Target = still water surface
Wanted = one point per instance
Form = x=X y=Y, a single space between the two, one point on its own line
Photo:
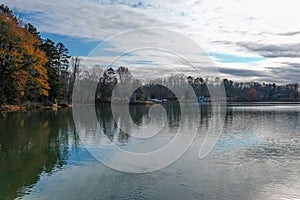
x=257 y=157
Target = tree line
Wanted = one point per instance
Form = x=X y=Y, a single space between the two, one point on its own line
x=235 y=91
x=249 y=91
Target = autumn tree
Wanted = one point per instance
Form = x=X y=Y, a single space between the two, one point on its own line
x=22 y=72
x=251 y=94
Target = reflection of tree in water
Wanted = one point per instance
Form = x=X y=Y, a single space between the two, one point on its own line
x=109 y=126
x=139 y=115
x=30 y=144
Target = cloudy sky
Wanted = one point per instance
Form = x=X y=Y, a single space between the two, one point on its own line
x=247 y=40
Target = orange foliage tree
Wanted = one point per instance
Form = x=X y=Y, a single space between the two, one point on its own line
x=251 y=94
x=22 y=75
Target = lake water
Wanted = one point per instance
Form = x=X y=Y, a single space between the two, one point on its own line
x=256 y=157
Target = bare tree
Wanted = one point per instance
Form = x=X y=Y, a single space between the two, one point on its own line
x=75 y=64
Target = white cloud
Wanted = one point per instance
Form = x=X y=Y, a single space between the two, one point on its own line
x=227 y=27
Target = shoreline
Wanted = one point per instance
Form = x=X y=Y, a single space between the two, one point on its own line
x=37 y=106
x=5 y=108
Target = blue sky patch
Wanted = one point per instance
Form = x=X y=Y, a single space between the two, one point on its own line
x=27 y=16
x=226 y=58
x=76 y=46
x=141 y=62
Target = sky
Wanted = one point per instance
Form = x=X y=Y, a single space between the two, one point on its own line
x=246 y=40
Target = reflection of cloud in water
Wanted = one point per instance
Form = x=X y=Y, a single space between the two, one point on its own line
x=281 y=191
